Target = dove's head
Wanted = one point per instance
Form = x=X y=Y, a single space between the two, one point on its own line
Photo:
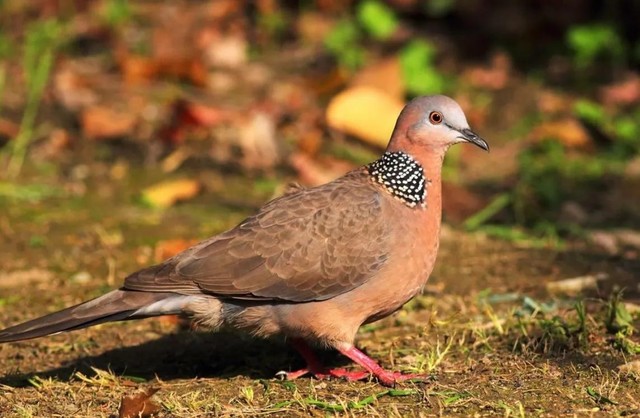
x=433 y=122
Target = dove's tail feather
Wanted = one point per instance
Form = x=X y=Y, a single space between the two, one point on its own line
x=117 y=305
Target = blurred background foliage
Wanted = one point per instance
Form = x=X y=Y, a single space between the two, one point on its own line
x=135 y=93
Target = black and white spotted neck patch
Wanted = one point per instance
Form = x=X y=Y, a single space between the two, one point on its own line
x=401 y=175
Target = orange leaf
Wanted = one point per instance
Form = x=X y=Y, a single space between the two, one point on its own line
x=315 y=173
x=139 y=404
x=365 y=112
x=387 y=73
x=568 y=131
x=493 y=77
x=170 y=247
x=626 y=92
x=167 y=193
x=100 y=122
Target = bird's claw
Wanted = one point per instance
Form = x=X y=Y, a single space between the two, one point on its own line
x=391 y=378
x=323 y=374
x=282 y=375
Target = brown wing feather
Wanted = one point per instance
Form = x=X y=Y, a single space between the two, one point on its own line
x=312 y=244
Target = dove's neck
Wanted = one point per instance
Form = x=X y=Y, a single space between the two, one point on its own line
x=431 y=163
x=400 y=175
x=413 y=180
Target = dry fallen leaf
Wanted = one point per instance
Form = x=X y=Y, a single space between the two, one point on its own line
x=257 y=141
x=223 y=50
x=365 y=112
x=54 y=144
x=606 y=241
x=313 y=27
x=100 y=122
x=624 y=92
x=632 y=170
x=173 y=26
x=632 y=367
x=309 y=138
x=552 y=102
x=140 y=70
x=74 y=89
x=167 y=193
x=170 y=247
x=314 y=173
x=575 y=285
x=493 y=77
x=186 y=115
x=568 y=131
x=139 y=405
x=615 y=240
x=386 y=73
x=136 y=69
x=20 y=278
x=632 y=308
x=8 y=128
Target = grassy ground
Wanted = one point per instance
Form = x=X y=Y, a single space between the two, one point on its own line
x=486 y=329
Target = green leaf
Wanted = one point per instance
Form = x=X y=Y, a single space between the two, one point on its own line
x=343 y=41
x=420 y=75
x=6 y=46
x=343 y=34
x=590 y=41
x=32 y=193
x=625 y=344
x=439 y=8
x=598 y=397
x=377 y=19
x=590 y=111
x=117 y=12
x=494 y=207
x=618 y=319
x=628 y=129
x=335 y=407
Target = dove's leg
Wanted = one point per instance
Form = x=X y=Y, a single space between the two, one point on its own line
x=386 y=377
x=315 y=368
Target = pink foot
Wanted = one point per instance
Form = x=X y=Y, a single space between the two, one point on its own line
x=316 y=369
x=323 y=373
x=385 y=377
x=350 y=375
x=293 y=375
x=389 y=378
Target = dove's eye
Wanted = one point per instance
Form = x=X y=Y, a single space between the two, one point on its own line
x=435 y=118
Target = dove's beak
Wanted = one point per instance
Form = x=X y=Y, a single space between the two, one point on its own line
x=470 y=136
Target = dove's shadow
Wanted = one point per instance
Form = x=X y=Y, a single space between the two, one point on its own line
x=186 y=355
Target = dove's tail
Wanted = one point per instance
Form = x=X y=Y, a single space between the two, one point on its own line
x=117 y=305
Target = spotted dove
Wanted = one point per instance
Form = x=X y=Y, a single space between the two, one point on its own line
x=312 y=265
